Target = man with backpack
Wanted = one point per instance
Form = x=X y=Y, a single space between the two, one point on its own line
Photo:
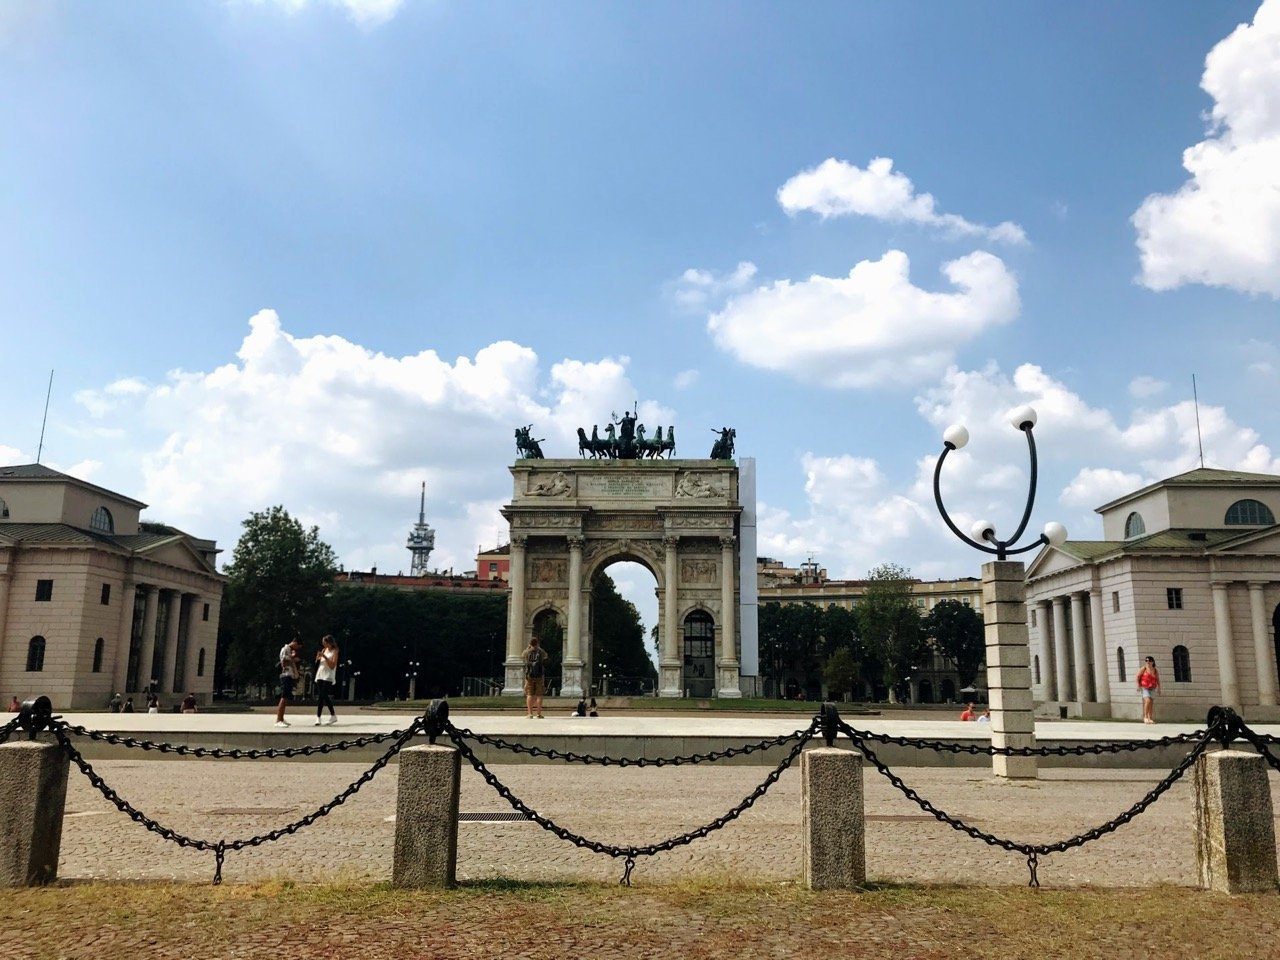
x=535 y=677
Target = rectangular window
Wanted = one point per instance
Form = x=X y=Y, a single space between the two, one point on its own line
x=205 y=614
x=1115 y=601
x=1174 y=597
x=106 y=594
x=44 y=589
x=1033 y=617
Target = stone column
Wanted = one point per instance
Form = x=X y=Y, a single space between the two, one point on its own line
x=1226 y=647
x=147 y=653
x=1235 y=829
x=5 y=578
x=1101 y=678
x=1263 y=650
x=514 y=686
x=426 y=844
x=1061 y=658
x=124 y=638
x=571 y=664
x=1045 y=619
x=33 y=795
x=191 y=644
x=670 y=661
x=172 y=631
x=727 y=665
x=832 y=840
x=1079 y=649
x=1004 y=614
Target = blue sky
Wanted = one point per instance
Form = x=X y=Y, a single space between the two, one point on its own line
x=561 y=195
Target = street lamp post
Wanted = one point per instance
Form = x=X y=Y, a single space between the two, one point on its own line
x=412 y=677
x=1004 y=602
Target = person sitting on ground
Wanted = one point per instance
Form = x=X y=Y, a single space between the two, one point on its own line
x=153 y=703
x=985 y=716
x=592 y=711
x=189 y=703
x=128 y=705
x=968 y=713
x=580 y=710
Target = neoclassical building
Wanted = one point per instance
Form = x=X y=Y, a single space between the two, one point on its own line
x=95 y=601
x=1188 y=572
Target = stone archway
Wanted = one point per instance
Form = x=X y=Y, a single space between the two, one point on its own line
x=677 y=518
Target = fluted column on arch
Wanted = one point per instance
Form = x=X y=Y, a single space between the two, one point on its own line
x=669 y=666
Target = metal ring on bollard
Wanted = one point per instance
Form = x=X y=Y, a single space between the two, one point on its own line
x=829 y=716
x=35 y=715
x=1226 y=725
x=436 y=719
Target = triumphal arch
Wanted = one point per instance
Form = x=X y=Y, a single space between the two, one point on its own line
x=621 y=499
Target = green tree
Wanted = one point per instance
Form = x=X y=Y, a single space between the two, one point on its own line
x=617 y=634
x=791 y=644
x=840 y=673
x=956 y=629
x=890 y=624
x=278 y=581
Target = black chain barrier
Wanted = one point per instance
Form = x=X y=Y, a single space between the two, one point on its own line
x=630 y=853
x=219 y=847
x=1034 y=851
x=1223 y=726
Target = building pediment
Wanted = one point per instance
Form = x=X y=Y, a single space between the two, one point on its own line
x=1053 y=560
x=1265 y=542
x=175 y=552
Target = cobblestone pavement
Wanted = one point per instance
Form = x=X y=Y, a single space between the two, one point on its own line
x=214 y=800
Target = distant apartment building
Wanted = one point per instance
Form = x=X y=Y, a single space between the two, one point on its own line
x=936 y=681
x=95 y=601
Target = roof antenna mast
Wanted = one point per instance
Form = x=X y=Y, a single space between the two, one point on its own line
x=1196 y=397
x=45 y=419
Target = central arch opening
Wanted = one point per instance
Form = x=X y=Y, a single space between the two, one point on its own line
x=624 y=621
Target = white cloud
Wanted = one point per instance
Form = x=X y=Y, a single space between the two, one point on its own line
x=837 y=188
x=1144 y=387
x=1094 y=486
x=367 y=13
x=870 y=328
x=685 y=379
x=343 y=435
x=697 y=289
x=1222 y=227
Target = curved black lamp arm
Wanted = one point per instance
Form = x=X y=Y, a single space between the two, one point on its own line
x=1002 y=548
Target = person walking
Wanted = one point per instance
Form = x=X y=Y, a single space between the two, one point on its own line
x=1148 y=685
x=326 y=678
x=535 y=677
x=288 y=677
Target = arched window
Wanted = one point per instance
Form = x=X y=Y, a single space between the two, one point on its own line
x=1181 y=665
x=97 y=655
x=4 y=510
x=1037 y=664
x=1133 y=525
x=101 y=521
x=1249 y=513
x=35 y=655
x=1120 y=663
x=200 y=663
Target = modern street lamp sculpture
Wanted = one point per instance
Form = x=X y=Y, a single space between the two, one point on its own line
x=984 y=532
x=1005 y=608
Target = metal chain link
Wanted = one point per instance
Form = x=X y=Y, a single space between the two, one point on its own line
x=570 y=756
x=232 y=753
x=7 y=730
x=987 y=750
x=1032 y=851
x=630 y=853
x=219 y=847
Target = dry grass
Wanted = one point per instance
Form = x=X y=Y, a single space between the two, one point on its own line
x=698 y=920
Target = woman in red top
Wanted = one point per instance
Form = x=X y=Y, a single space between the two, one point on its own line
x=1148 y=684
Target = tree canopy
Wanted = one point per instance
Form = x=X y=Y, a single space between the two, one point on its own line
x=956 y=629
x=617 y=634
x=890 y=624
x=278 y=582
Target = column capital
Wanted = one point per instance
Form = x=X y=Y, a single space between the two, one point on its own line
x=1257 y=586
x=1059 y=601
x=576 y=541
x=726 y=542
x=519 y=540
x=671 y=541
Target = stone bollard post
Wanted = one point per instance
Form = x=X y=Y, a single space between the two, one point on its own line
x=1235 y=832
x=33 y=795
x=426 y=848
x=833 y=845
x=1004 y=616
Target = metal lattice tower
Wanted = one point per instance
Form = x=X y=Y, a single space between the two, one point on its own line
x=422 y=540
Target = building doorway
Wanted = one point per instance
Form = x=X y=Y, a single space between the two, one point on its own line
x=699 y=654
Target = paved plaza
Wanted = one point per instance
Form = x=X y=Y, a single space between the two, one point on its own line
x=224 y=799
